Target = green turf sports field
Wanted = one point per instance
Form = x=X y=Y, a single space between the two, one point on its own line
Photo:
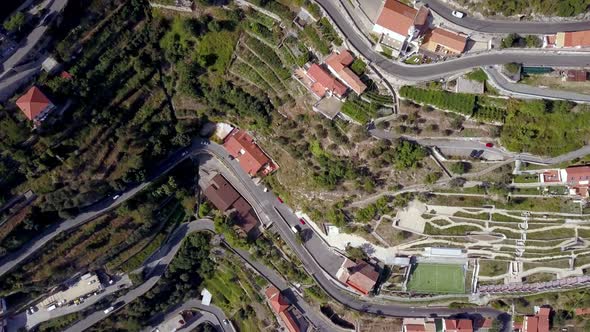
x=437 y=278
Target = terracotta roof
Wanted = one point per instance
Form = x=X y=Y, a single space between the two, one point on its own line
x=221 y=193
x=33 y=103
x=448 y=39
x=397 y=17
x=577 y=75
x=242 y=147
x=577 y=38
x=582 y=311
x=577 y=173
x=328 y=82
x=414 y=328
x=544 y=312
x=458 y=325
x=339 y=61
x=289 y=322
x=277 y=301
x=246 y=218
x=363 y=277
x=422 y=16
x=531 y=324
x=352 y=80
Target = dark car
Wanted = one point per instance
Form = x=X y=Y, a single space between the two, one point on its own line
x=302 y=221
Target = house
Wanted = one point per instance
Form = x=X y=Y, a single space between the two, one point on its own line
x=576 y=39
x=252 y=159
x=421 y=324
x=399 y=22
x=361 y=275
x=550 y=176
x=582 y=311
x=458 y=325
x=281 y=307
x=537 y=323
x=445 y=42
x=323 y=83
x=338 y=64
x=576 y=75
x=578 y=179
x=35 y=105
x=227 y=200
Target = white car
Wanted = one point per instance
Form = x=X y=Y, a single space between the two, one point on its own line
x=458 y=14
x=109 y=309
x=115 y=197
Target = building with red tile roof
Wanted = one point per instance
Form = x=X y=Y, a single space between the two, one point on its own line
x=324 y=83
x=537 y=323
x=443 y=41
x=398 y=20
x=582 y=311
x=458 y=325
x=280 y=305
x=576 y=75
x=578 y=179
x=361 y=275
x=338 y=64
x=252 y=159
x=573 y=39
x=228 y=200
x=35 y=105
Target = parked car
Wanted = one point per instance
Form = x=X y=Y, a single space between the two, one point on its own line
x=302 y=221
x=458 y=14
x=280 y=200
x=294 y=229
x=115 y=197
x=489 y=145
x=108 y=310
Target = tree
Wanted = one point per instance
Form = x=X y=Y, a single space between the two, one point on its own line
x=408 y=155
x=510 y=40
x=458 y=167
x=432 y=177
x=355 y=253
x=15 y=22
x=532 y=41
x=512 y=67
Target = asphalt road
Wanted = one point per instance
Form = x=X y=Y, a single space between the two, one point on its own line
x=504 y=26
x=33 y=38
x=154 y=268
x=208 y=314
x=11 y=260
x=427 y=72
x=268 y=206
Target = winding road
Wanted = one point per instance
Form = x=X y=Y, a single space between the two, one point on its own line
x=504 y=26
x=427 y=72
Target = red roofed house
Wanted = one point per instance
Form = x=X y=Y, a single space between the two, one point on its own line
x=228 y=200
x=323 y=83
x=537 y=323
x=361 y=275
x=399 y=23
x=35 y=105
x=578 y=178
x=573 y=39
x=582 y=311
x=253 y=160
x=458 y=325
x=576 y=75
x=280 y=305
x=338 y=64
x=443 y=41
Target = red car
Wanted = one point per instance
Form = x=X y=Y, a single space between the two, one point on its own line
x=280 y=200
x=489 y=145
x=302 y=221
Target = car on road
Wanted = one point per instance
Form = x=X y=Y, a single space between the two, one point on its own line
x=108 y=310
x=489 y=145
x=294 y=229
x=184 y=153
x=265 y=189
x=458 y=14
x=302 y=221
x=116 y=197
x=225 y=322
x=280 y=200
